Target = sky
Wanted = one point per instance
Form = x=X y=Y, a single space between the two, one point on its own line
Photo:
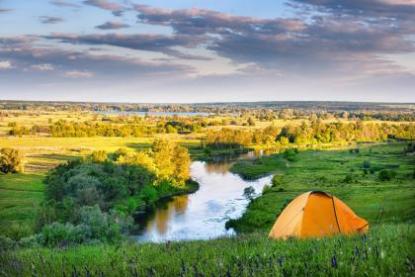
x=186 y=51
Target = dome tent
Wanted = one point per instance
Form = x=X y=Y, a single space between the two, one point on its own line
x=317 y=214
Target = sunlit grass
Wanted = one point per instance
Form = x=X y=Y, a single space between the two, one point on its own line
x=386 y=250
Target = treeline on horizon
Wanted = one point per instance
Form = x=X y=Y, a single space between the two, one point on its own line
x=358 y=110
x=315 y=132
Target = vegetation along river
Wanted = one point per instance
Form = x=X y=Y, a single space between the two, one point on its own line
x=203 y=214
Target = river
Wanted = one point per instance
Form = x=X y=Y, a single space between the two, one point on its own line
x=203 y=214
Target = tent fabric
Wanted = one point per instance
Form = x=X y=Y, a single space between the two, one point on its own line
x=317 y=214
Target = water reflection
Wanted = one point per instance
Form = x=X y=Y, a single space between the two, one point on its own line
x=203 y=214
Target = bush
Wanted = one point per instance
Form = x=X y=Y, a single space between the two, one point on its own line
x=249 y=193
x=349 y=179
x=291 y=155
x=276 y=181
x=31 y=241
x=99 y=156
x=17 y=231
x=11 y=160
x=266 y=189
x=386 y=175
x=366 y=165
x=58 y=234
x=6 y=243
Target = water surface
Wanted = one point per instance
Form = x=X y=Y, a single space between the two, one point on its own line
x=203 y=214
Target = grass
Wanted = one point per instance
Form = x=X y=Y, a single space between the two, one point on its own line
x=20 y=196
x=386 y=250
x=388 y=205
x=342 y=174
x=254 y=169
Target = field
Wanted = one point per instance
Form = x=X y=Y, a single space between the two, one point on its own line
x=352 y=176
x=352 y=171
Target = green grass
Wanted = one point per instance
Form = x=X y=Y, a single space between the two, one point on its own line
x=386 y=250
x=342 y=174
x=20 y=196
x=254 y=169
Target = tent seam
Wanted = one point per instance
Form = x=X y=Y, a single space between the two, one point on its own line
x=335 y=214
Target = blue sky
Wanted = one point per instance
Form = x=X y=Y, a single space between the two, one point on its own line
x=202 y=51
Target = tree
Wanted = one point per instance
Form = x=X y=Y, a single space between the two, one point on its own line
x=11 y=160
x=182 y=162
x=139 y=158
x=163 y=152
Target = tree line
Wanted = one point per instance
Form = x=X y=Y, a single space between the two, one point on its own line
x=314 y=132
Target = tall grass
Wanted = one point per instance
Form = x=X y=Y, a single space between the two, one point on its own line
x=386 y=250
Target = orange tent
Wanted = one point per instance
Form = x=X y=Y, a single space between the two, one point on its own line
x=317 y=214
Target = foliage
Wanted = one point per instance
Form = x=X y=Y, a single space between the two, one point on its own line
x=171 y=160
x=386 y=175
x=375 y=254
x=310 y=133
x=11 y=160
x=249 y=193
x=99 y=156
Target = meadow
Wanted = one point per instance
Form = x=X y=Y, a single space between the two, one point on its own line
x=352 y=175
x=349 y=170
x=386 y=251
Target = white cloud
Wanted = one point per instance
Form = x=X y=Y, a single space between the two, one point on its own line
x=5 y=65
x=79 y=74
x=43 y=67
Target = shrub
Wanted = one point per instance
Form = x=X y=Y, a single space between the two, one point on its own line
x=276 y=181
x=58 y=234
x=30 y=242
x=386 y=175
x=291 y=155
x=266 y=189
x=11 y=160
x=6 y=243
x=366 y=164
x=99 y=156
x=17 y=231
x=249 y=193
x=349 y=179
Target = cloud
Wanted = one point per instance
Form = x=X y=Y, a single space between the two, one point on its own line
x=111 y=25
x=321 y=44
x=374 y=8
x=148 y=42
x=5 y=65
x=43 y=67
x=115 y=8
x=63 y=3
x=5 y=10
x=78 y=74
x=50 y=19
x=49 y=60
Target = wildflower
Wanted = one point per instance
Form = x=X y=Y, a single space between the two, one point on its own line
x=334 y=261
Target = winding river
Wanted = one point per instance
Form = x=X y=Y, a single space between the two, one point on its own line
x=203 y=214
